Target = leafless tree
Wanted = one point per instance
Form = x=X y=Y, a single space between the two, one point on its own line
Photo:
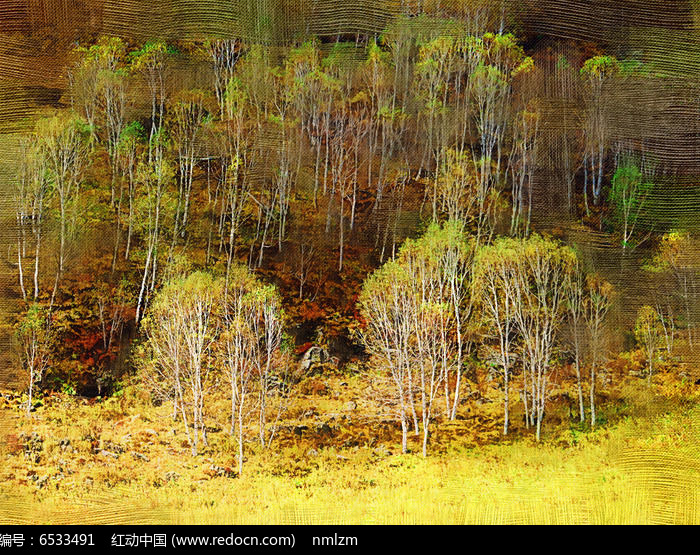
x=597 y=303
x=224 y=54
x=66 y=150
x=31 y=201
x=181 y=328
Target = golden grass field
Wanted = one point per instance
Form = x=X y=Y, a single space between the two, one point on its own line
x=128 y=463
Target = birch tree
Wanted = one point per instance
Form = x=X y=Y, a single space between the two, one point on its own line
x=629 y=191
x=36 y=337
x=438 y=267
x=433 y=69
x=542 y=272
x=522 y=164
x=385 y=308
x=224 y=53
x=597 y=72
x=98 y=84
x=456 y=188
x=151 y=61
x=31 y=199
x=417 y=313
x=383 y=115
x=568 y=155
x=254 y=358
x=501 y=60
x=181 y=328
x=597 y=303
x=188 y=116
x=495 y=283
x=678 y=255
x=576 y=304
x=154 y=179
x=236 y=165
x=238 y=346
x=131 y=142
x=649 y=332
x=66 y=149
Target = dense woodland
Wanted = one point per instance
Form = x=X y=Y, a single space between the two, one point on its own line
x=222 y=219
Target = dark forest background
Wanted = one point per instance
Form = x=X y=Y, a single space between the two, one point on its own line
x=658 y=112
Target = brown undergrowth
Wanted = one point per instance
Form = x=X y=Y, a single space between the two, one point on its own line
x=337 y=458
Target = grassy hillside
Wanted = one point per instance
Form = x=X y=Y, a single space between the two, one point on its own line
x=122 y=460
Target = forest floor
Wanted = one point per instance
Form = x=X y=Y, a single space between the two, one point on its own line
x=123 y=460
